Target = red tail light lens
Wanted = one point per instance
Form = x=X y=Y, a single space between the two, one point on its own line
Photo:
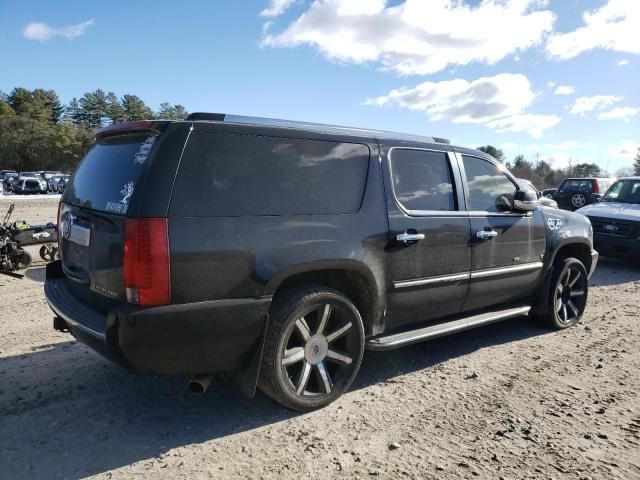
x=146 y=261
x=596 y=188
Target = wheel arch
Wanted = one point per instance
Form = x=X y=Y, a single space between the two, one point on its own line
x=353 y=278
x=579 y=248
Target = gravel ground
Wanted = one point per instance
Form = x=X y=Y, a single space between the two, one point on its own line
x=510 y=400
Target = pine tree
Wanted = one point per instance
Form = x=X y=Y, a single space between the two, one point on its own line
x=636 y=163
x=135 y=108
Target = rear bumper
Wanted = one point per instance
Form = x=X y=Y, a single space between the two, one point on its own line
x=203 y=337
x=611 y=246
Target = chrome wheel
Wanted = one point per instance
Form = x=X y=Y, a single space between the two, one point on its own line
x=578 y=200
x=570 y=295
x=319 y=352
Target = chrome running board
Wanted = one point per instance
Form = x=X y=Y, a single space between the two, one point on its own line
x=402 y=339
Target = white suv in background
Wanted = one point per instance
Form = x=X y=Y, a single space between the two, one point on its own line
x=616 y=220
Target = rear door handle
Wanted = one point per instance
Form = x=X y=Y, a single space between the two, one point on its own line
x=409 y=237
x=486 y=234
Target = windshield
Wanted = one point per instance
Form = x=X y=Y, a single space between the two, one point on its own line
x=576 y=186
x=623 y=191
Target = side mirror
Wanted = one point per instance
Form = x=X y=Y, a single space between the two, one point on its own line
x=525 y=201
x=596 y=197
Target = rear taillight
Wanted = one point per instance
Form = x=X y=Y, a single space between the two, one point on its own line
x=596 y=189
x=146 y=261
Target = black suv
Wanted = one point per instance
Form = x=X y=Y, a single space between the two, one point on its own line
x=281 y=250
x=575 y=193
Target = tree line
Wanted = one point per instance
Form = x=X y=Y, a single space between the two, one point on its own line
x=39 y=132
x=543 y=175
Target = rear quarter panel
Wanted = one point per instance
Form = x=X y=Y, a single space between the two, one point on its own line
x=236 y=257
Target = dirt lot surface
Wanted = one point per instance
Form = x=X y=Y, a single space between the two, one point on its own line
x=511 y=400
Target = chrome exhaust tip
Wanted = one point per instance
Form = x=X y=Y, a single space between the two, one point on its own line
x=200 y=383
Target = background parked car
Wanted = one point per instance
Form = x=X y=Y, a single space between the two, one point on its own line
x=35 y=176
x=616 y=220
x=62 y=183
x=544 y=201
x=9 y=181
x=52 y=183
x=27 y=185
x=549 y=192
x=574 y=193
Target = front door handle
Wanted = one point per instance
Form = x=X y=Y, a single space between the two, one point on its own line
x=409 y=237
x=486 y=234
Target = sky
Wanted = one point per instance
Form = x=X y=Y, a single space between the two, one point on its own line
x=557 y=80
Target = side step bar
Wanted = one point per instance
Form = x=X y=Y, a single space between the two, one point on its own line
x=402 y=339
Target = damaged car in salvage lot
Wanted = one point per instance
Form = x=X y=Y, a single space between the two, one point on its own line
x=282 y=250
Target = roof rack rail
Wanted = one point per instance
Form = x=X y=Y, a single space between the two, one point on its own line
x=321 y=127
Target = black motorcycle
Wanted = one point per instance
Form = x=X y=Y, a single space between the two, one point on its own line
x=17 y=235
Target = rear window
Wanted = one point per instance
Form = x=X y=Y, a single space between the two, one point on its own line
x=247 y=175
x=107 y=176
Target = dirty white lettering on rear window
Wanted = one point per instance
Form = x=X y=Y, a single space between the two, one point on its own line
x=144 y=150
x=122 y=206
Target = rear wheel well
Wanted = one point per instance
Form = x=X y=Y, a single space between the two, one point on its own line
x=351 y=283
x=576 y=250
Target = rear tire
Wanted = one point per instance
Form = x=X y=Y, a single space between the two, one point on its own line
x=313 y=349
x=568 y=293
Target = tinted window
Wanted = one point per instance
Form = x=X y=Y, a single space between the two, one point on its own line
x=422 y=180
x=238 y=175
x=108 y=174
x=490 y=190
x=576 y=186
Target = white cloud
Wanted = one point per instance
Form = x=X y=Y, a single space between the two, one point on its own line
x=509 y=146
x=623 y=63
x=583 y=105
x=619 y=113
x=498 y=102
x=277 y=7
x=624 y=149
x=41 y=31
x=533 y=124
x=416 y=36
x=614 y=26
x=564 y=90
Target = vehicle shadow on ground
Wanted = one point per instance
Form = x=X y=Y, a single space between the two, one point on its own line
x=614 y=271
x=66 y=412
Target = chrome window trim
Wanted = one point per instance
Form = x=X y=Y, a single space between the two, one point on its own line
x=456 y=277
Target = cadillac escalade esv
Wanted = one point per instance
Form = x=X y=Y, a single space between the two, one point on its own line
x=281 y=250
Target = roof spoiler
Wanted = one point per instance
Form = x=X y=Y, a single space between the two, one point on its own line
x=150 y=127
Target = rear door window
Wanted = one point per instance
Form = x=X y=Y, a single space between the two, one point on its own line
x=107 y=176
x=249 y=175
x=422 y=180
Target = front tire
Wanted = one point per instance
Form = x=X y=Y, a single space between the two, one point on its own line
x=313 y=349
x=568 y=294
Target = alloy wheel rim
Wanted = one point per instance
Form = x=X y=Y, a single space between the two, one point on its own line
x=570 y=295
x=579 y=200
x=319 y=351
